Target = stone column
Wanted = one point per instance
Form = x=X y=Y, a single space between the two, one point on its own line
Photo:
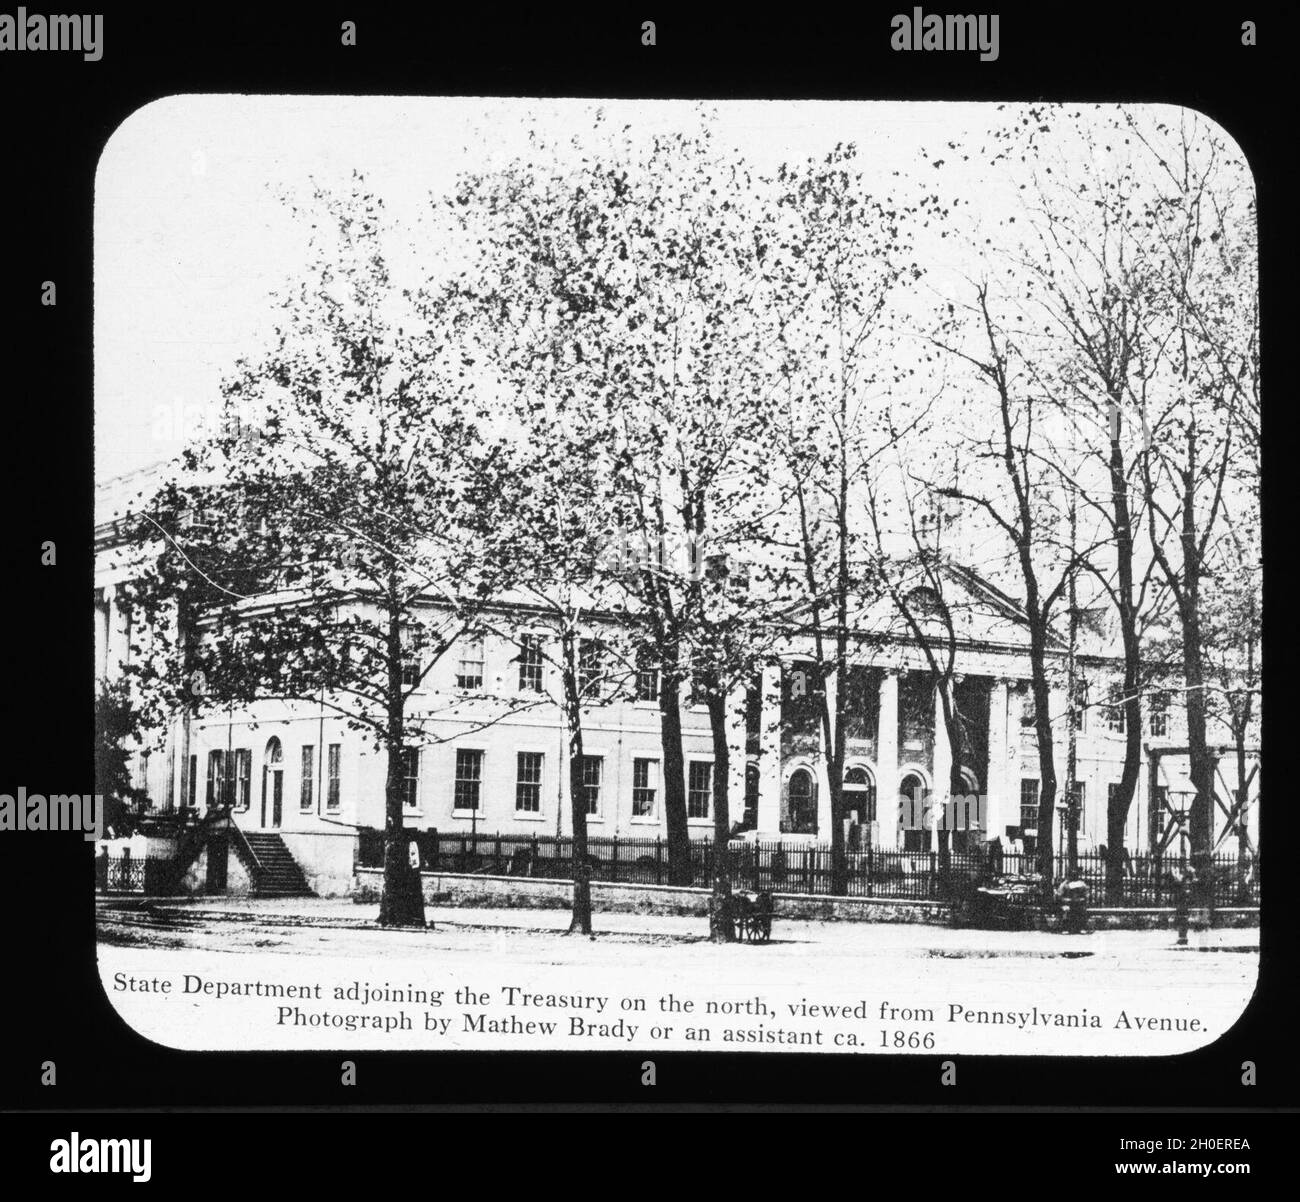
x=101 y=634
x=998 y=803
x=823 y=777
x=942 y=762
x=887 y=761
x=735 y=724
x=769 y=758
x=119 y=635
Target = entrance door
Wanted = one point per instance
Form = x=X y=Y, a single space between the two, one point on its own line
x=801 y=803
x=273 y=783
x=913 y=797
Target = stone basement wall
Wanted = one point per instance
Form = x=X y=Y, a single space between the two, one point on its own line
x=528 y=893
x=513 y=892
x=1153 y=919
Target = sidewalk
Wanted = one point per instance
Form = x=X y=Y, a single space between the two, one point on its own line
x=910 y=938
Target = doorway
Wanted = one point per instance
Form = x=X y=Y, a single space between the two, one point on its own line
x=273 y=784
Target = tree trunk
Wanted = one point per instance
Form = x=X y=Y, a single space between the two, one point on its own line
x=1119 y=805
x=402 y=901
x=1200 y=762
x=580 y=923
x=1241 y=728
x=833 y=734
x=1046 y=757
x=721 y=926
x=956 y=786
x=680 y=871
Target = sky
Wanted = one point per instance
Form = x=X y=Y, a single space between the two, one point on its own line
x=193 y=237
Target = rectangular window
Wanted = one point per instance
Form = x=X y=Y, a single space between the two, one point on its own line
x=243 y=777
x=1029 y=803
x=216 y=778
x=469 y=670
x=1115 y=717
x=699 y=788
x=410 y=671
x=1081 y=707
x=915 y=711
x=332 y=776
x=411 y=777
x=307 y=783
x=645 y=787
x=530 y=663
x=591 y=655
x=593 y=773
x=862 y=704
x=1028 y=711
x=528 y=782
x=1159 y=715
x=647 y=675
x=1063 y=806
x=469 y=779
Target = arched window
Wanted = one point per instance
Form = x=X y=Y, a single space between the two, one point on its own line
x=859 y=795
x=967 y=815
x=924 y=601
x=274 y=753
x=801 y=804
x=912 y=798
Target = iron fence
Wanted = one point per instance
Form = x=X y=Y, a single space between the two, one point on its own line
x=800 y=867
x=121 y=874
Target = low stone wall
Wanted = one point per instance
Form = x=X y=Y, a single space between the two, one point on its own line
x=513 y=892
x=528 y=893
x=1153 y=919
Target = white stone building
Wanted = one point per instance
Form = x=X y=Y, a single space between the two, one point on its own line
x=493 y=755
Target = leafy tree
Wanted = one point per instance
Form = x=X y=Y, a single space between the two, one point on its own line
x=834 y=256
x=118 y=726
x=618 y=290
x=320 y=547
x=1011 y=487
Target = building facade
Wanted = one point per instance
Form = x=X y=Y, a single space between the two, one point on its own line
x=492 y=753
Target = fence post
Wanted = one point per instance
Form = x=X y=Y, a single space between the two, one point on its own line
x=532 y=860
x=497 y=853
x=613 y=864
x=871 y=870
x=932 y=890
x=659 y=860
